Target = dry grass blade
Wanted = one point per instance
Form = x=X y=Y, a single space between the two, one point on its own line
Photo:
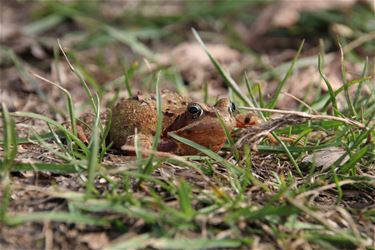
x=309 y=116
x=323 y=188
x=70 y=105
x=81 y=78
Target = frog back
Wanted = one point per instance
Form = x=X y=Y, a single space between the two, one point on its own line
x=139 y=113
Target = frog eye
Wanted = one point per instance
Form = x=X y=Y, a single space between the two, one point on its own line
x=195 y=110
x=232 y=107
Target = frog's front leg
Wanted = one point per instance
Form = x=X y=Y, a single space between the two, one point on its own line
x=144 y=142
x=172 y=146
x=82 y=134
x=165 y=145
x=85 y=123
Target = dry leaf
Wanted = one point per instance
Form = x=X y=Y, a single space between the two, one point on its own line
x=326 y=157
x=95 y=240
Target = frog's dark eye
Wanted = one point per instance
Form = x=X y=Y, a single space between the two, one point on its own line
x=195 y=110
x=232 y=107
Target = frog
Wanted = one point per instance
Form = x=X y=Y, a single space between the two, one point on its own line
x=197 y=121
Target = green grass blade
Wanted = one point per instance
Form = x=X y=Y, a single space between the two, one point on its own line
x=128 y=74
x=57 y=168
x=5 y=186
x=289 y=154
x=272 y=103
x=70 y=105
x=62 y=155
x=42 y=24
x=360 y=87
x=16 y=219
x=97 y=87
x=105 y=133
x=130 y=40
x=226 y=77
x=254 y=103
x=266 y=210
x=348 y=84
x=56 y=124
x=23 y=140
x=93 y=152
x=354 y=159
x=345 y=83
x=102 y=205
x=329 y=86
x=184 y=198
x=159 y=126
x=207 y=152
x=10 y=143
x=355 y=144
x=294 y=149
x=159 y=111
x=10 y=153
x=230 y=140
x=81 y=80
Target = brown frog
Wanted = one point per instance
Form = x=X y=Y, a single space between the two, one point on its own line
x=195 y=121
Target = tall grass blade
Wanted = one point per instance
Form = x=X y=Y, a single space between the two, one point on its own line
x=272 y=103
x=128 y=74
x=329 y=86
x=10 y=153
x=345 y=82
x=70 y=105
x=159 y=126
x=354 y=159
x=207 y=152
x=360 y=87
x=93 y=152
x=10 y=142
x=230 y=140
x=254 y=103
x=43 y=24
x=130 y=40
x=227 y=78
x=81 y=79
x=184 y=198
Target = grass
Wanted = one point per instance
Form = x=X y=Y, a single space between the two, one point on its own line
x=231 y=200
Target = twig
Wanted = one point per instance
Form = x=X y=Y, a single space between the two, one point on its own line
x=326 y=187
x=309 y=116
x=358 y=42
x=300 y=101
x=66 y=58
x=48 y=81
